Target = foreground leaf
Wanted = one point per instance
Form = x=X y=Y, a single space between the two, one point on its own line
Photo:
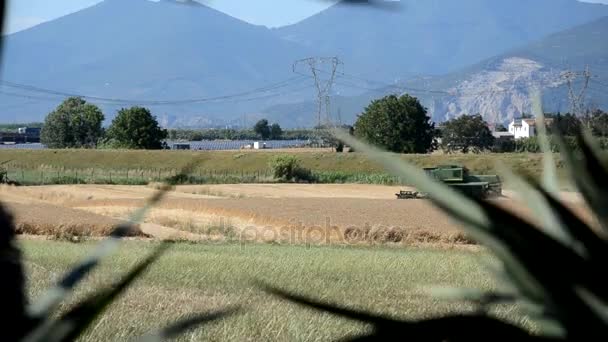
x=449 y=328
x=78 y=319
x=180 y=327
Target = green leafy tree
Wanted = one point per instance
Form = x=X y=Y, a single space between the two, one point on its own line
x=466 y=133
x=197 y=136
x=276 y=132
x=136 y=128
x=262 y=129
x=599 y=123
x=567 y=124
x=398 y=124
x=500 y=128
x=73 y=124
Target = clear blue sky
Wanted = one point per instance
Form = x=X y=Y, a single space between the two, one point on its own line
x=26 y=13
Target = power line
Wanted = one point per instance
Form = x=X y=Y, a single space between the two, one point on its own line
x=26 y=96
x=599 y=83
x=117 y=101
x=323 y=86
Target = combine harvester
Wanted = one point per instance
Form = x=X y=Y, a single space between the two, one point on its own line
x=459 y=178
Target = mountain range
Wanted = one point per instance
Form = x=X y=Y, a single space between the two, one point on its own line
x=499 y=87
x=195 y=66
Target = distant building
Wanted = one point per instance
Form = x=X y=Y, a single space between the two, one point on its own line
x=179 y=146
x=525 y=128
x=259 y=145
x=23 y=135
x=29 y=131
x=503 y=135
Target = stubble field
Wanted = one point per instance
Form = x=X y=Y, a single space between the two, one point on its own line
x=280 y=213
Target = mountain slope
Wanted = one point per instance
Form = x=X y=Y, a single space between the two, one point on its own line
x=498 y=87
x=137 y=49
x=433 y=36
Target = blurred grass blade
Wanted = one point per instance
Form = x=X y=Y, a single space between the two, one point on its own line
x=453 y=328
x=596 y=247
x=478 y=296
x=180 y=327
x=78 y=319
x=556 y=271
x=589 y=175
x=13 y=296
x=50 y=300
x=466 y=210
x=547 y=218
x=549 y=167
x=545 y=279
x=360 y=316
x=599 y=306
x=460 y=204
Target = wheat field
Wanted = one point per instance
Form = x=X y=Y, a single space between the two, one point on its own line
x=279 y=213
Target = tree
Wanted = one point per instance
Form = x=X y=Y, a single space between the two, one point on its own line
x=136 y=128
x=567 y=124
x=398 y=124
x=197 y=136
x=73 y=124
x=467 y=133
x=599 y=123
x=500 y=128
x=327 y=137
x=262 y=129
x=275 y=131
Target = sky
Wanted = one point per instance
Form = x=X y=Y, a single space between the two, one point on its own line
x=26 y=13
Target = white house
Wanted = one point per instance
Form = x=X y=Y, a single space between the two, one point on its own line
x=524 y=128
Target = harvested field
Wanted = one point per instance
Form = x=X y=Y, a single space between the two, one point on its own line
x=50 y=220
x=286 y=213
x=295 y=190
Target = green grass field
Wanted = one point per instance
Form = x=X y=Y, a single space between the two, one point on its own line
x=236 y=164
x=197 y=277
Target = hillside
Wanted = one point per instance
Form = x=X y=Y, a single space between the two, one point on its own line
x=138 y=49
x=499 y=86
x=433 y=36
x=195 y=66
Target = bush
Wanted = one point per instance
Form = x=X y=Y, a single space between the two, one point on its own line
x=66 y=179
x=503 y=146
x=287 y=168
x=3 y=176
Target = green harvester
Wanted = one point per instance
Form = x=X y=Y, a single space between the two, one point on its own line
x=459 y=178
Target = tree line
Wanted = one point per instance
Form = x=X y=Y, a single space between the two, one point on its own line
x=76 y=123
x=395 y=123
x=234 y=134
x=401 y=124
